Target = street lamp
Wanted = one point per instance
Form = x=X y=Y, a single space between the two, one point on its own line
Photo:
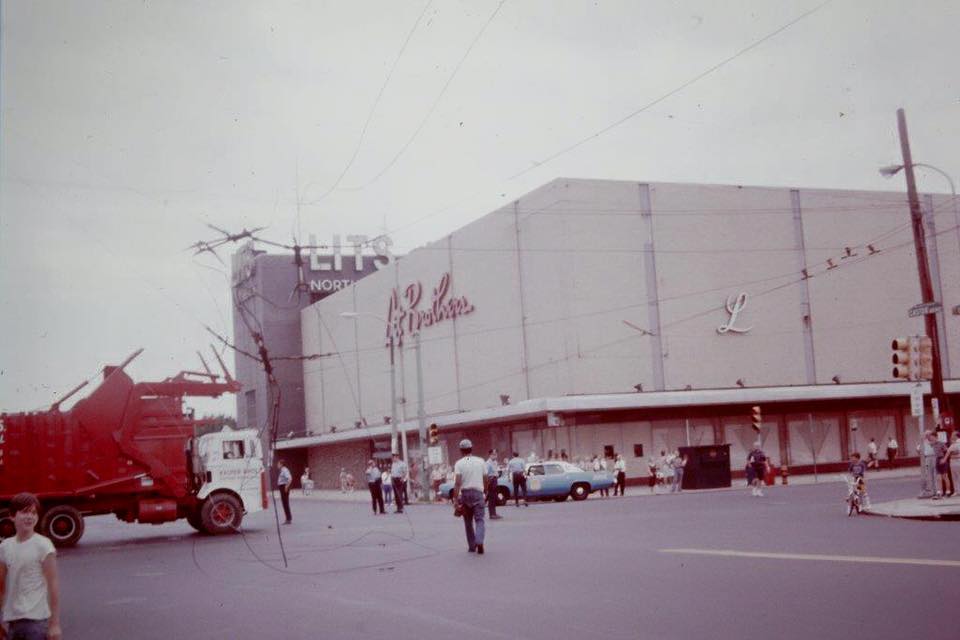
x=891 y=170
x=919 y=238
x=393 y=377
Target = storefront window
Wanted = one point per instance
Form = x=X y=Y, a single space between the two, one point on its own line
x=864 y=425
x=814 y=439
x=739 y=433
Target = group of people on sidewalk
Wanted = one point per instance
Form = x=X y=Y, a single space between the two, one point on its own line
x=667 y=471
x=939 y=464
x=384 y=484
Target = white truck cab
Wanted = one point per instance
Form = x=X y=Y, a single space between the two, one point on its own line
x=229 y=477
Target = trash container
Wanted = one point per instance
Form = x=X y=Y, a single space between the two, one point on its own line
x=708 y=466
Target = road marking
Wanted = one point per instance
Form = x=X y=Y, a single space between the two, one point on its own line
x=815 y=556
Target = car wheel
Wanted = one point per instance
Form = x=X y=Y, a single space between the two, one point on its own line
x=502 y=496
x=579 y=491
x=221 y=513
x=63 y=524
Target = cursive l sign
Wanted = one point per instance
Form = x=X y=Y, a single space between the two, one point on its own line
x=734 y=307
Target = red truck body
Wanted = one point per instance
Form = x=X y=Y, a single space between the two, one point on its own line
x=124 y=449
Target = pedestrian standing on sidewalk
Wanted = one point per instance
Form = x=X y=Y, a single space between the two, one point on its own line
x=490 y=467
x=679 y=462
x=599 y=464
x=375 y=485
x=284 y=480
x=620 y=469
x=398 y=475
x=468 y=477
x=942 y=467
x=29 y=584
x=758 y=460
x=516 y=467
x=386 y=486
x=652 y=470
x=892 y=449
x=343 y=479
x=873 y=462
x=953 y=463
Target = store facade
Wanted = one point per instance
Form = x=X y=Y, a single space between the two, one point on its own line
x=592 y=316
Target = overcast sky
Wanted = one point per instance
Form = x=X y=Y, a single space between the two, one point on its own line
x=128 y=126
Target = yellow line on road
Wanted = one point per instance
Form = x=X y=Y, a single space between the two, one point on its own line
x=814 y=556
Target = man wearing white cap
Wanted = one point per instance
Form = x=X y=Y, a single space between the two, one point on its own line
x=468 y=494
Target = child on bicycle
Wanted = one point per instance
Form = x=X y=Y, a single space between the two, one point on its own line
x=858 y=471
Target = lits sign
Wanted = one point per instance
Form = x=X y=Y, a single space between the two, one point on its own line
x=326 y=273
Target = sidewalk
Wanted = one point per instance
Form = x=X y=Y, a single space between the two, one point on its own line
x=918 y=509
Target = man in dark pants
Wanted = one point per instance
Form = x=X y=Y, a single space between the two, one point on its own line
x=375 y=484
x=516 y=467
x=468 y=495
x=283 y=482
x=491 y=470
x=398 y=476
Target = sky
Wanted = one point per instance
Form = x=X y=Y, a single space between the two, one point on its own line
x=128 y=127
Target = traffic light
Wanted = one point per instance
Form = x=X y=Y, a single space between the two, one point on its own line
x=757 y=419
x=905 y=357
x=925 y=358
x=434 y=435
x=913 y=358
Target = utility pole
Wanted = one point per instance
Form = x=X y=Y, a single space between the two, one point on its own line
x=422 y=424
x=923 y=267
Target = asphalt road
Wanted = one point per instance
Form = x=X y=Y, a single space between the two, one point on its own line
x=789 y=565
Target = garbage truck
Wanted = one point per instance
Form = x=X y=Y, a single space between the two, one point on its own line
x=134 y=450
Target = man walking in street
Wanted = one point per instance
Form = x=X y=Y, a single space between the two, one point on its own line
x=491 y=475
x=758 y=462
x=284 y=480
x=375 y=485
x=516 y=467
x=468 y=495
x=398 y=475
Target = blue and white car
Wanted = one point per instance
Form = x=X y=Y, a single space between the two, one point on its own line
x=550 y=480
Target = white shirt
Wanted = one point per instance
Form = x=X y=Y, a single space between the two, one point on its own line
x=284 y=477
x=471 y=469
x=872 y=448
x=620 y=465
x=26 y=588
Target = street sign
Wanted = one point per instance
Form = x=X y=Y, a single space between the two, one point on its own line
x=916 y=401
x=923 y=309
x=434 y=455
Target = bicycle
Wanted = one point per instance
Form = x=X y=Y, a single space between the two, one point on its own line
x=856 y=496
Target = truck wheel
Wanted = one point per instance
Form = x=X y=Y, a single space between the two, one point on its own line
x=580 y=491
x=221 y=513
x=195 y=521
x=502 y=496
x=63 y=524
x=7 y=528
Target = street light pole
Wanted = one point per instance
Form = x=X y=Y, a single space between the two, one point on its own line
x=923 y=267
x=422 y=427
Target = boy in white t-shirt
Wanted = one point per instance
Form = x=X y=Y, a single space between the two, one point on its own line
x=29 y=588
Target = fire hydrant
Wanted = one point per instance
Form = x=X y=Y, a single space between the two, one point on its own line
x=784 y=473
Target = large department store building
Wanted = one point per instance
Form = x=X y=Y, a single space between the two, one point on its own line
x=594 y=316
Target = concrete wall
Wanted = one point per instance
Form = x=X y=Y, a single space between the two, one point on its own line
x=549 y=320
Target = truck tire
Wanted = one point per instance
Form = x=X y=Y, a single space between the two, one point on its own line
x=221 y=513
x=194 y=519
x=63 y=524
